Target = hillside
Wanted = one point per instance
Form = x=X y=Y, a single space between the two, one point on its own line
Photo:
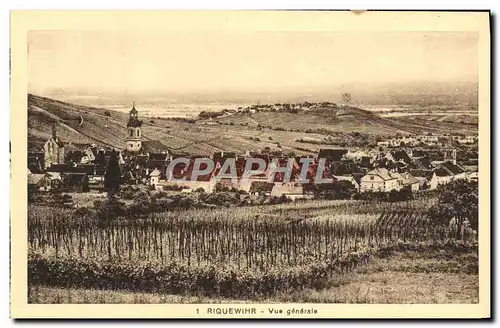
x=349 y=119
x=237 y=132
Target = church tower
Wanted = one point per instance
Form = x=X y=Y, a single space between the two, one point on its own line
x=134 y=137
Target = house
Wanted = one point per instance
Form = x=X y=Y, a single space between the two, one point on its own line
x=154 y=178
x=356 y=155
x=53 y=150
x=36 y=162
x=208 y=185
x=290 y=190
x=448 y=172
x=158 y=161
x=410 y=181
x=427 y=138
x=38 y=182
x=75 y=156
x=379 y=179
x=383 y=143
x=75 y=182
x=443 y=175
x=473 y=176
x=458 y=171
x=427 y=178
x=182 y=177
x=90 y=154
x=55 y=179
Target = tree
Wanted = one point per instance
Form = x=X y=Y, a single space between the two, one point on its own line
x=219 y=187
x=342 y=189
x=113 y=175
x=458 y=200
x=405 y=193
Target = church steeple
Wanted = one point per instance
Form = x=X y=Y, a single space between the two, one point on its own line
x=133 y=119
x=134 y=135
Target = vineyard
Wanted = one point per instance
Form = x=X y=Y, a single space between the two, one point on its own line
x=230 y=252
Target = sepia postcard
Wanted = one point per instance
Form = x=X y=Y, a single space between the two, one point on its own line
x=250 y=164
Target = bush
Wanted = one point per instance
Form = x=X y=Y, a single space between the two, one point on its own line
x=83 y=212
x=128 y=192
x=109 y=209
x=219 y=187
x=173 y=187
x=225 y=198
x=141 y=205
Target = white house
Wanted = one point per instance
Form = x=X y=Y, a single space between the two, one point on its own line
x=427 y=177
x=473 y=176
x=379 y=179
x=154 y=177
x=448 y=172
x=290 y=190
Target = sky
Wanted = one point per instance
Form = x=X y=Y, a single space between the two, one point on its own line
x=187 y=61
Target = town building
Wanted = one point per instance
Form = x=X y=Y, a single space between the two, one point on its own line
x=134 y=137
x=379 y=179
x=290 y=190
x=427 y=179
x=53 y=150
x=38 y=182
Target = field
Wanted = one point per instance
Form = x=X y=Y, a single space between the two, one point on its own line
x=403 y=277
x=273 y=252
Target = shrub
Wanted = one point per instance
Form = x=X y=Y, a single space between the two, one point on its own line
x=128 y=192
x=83 y=212
x=110 y=208
x=141 y=205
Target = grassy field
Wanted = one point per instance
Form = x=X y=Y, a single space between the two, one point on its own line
x=435 y=276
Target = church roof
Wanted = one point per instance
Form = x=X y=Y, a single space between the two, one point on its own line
x=134 y=122
x=133 y=110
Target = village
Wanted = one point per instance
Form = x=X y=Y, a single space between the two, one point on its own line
x=250 y=163
x=416 y=163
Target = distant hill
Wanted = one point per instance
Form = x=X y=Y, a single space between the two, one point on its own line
x=236 y=132
x=422 y=93
x=74 y=123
